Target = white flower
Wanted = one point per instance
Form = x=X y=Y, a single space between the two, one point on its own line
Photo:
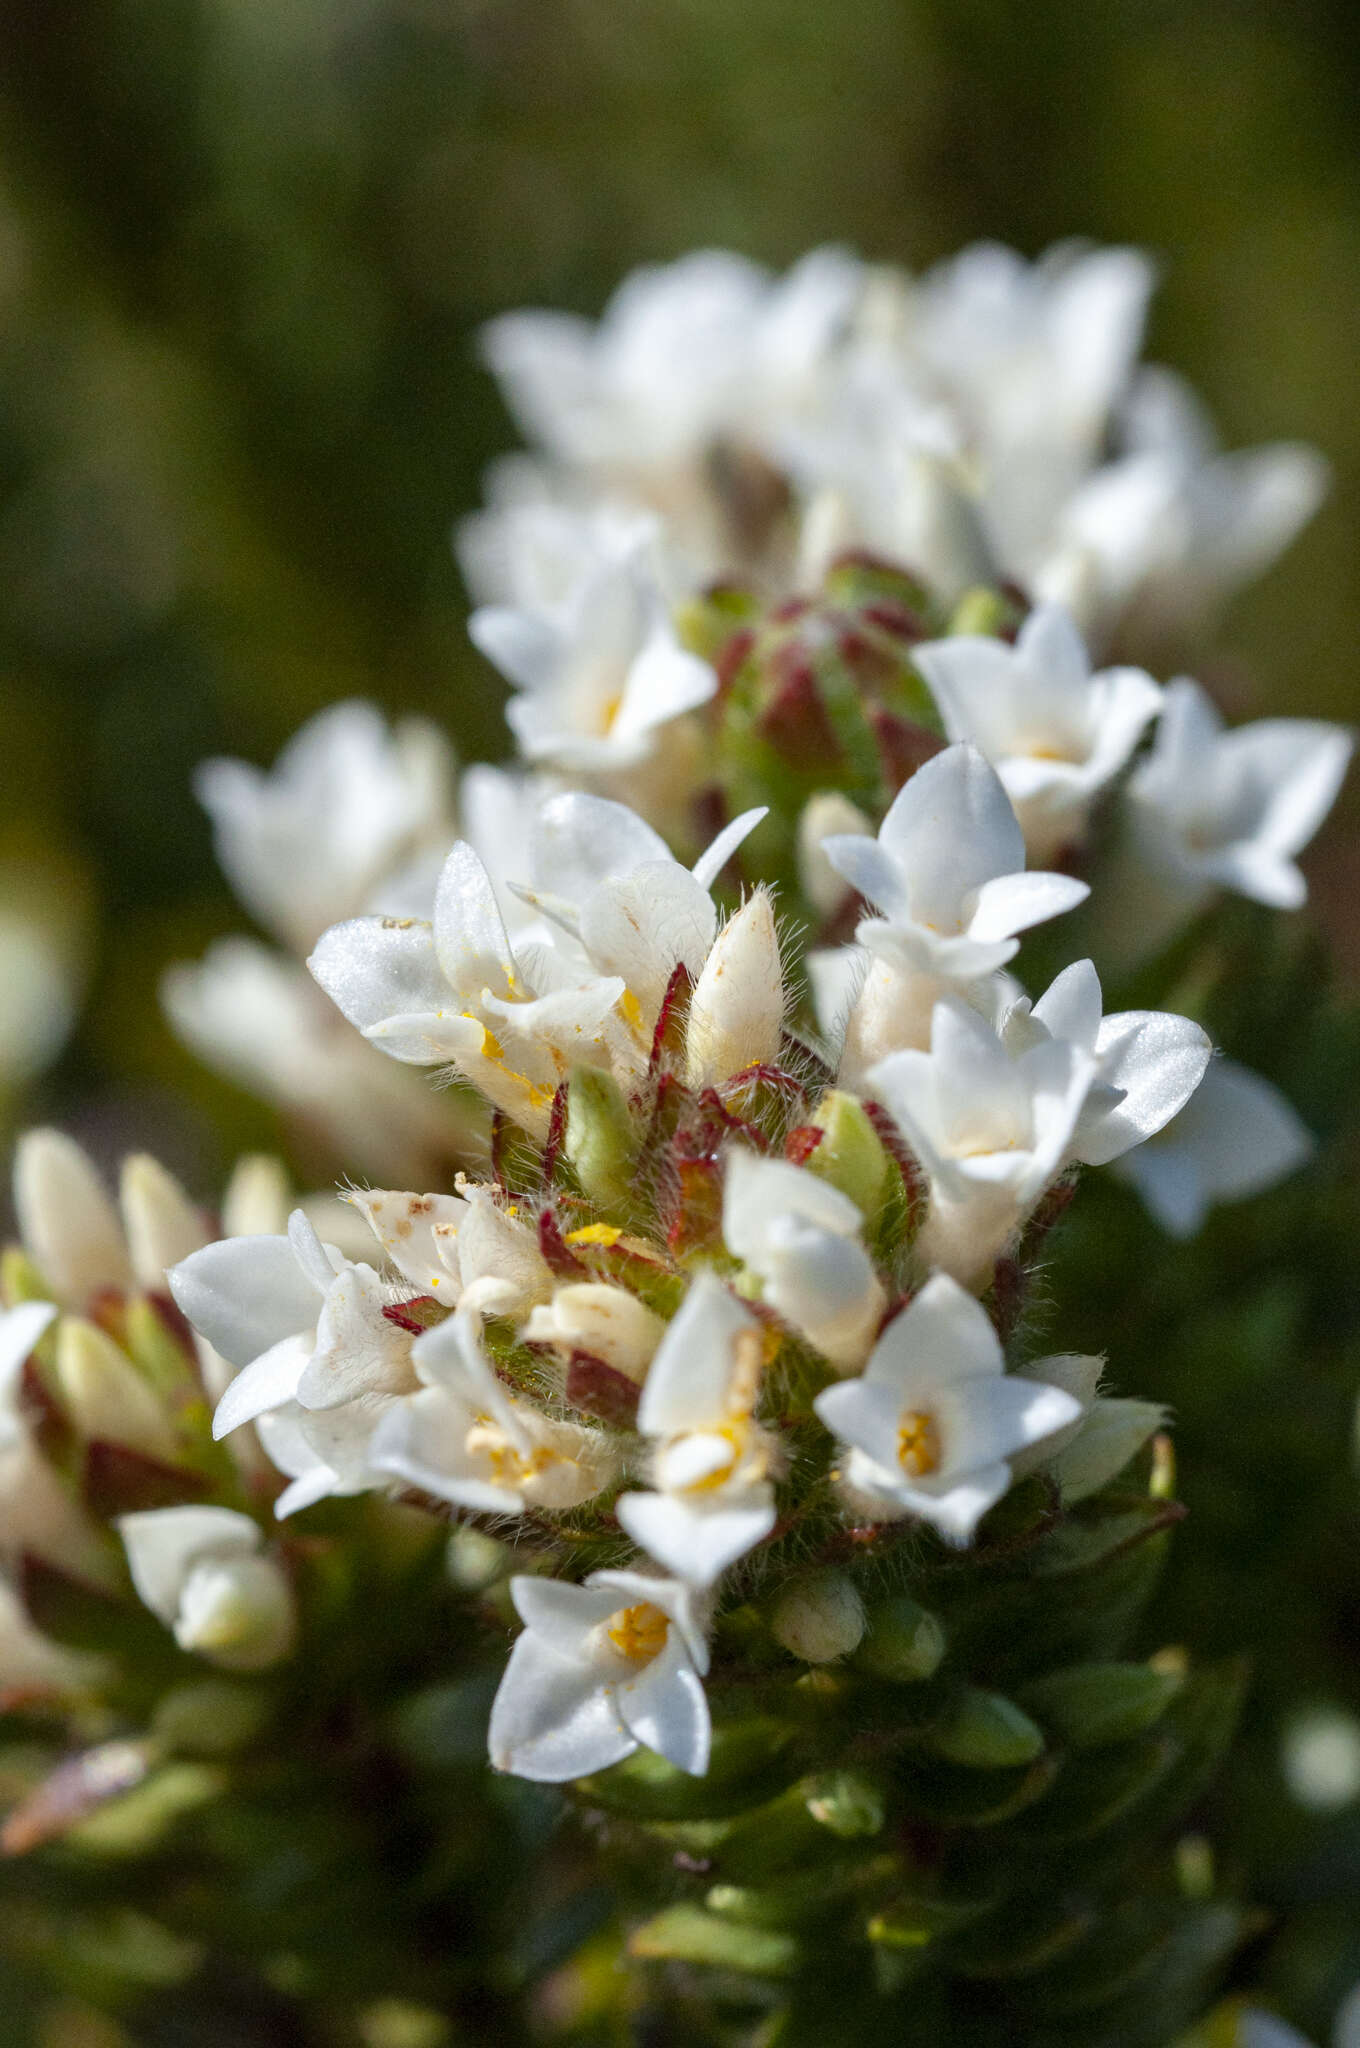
x=612 y=885
x=459 y=1248
x=934 y=1417
x=1055 y=733
x=37 y=1513
x=1172 y=526
x=200 y=1570
x=1087 y=1453
x=991 y=1130
x=1210 y=809
x=320 y=1362
x=712 y=1465
x=83 y=1243
x=533 y=550
x=802 y=1237
x=255 y=1016
x=1235 y=1137
x=465 y=1439
x=601 y=1670
x=947 y=871
x=684 y=354
x=453 y=992
x=596 y=685
x=1147 y=1063
x=347 y=806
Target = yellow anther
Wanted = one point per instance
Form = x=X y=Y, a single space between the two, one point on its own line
x=918 y=1443
x=638 y=1633
x=594 y=1233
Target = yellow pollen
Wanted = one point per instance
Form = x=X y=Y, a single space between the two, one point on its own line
x=609 y=711
x=509 y=1467
x=606 y=1234
x=638 y=1633
x=918 y=1443
x=631 y=1009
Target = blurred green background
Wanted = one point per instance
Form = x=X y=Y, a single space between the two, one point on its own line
x=244 y=249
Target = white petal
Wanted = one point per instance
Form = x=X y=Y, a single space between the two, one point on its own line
x=689 y=1380
x=664 y=681
x=20 y=1329
x=552 y=1719
x=1012 y=903
x=1158 y=1060
x=1070 y=1007
x=957 y=1513
x=985 y=1420
x=716 y=855
x=560 y=1614
x=665 y=1708
x=952 y=829
x=942 y=1337
x=736 y=1012
x=163 y=1226
x=469 y=931
x=267 y=1382
x=581 y=841
x=405 y=1226
x=245 y=1293
x=697 y=1544
x=378 y=968
x=524 y=646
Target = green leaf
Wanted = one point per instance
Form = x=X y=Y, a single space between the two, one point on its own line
x=1089 y=1705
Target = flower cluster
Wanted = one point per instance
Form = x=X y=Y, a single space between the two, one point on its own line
x=724 y=1278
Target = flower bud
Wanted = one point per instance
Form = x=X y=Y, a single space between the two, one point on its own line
x=822 y=815
x=902 y=1641
x=607 y=1322
x=258 y=1198
x=819 y=1618
x=69 y=1226
x=162 y=1224
x=599 y=1144
x=1113 y=1433
x=105 y=1396
x=201 y=1571
x=737 y=1009
x=1089 y=1705
x=851 y=1154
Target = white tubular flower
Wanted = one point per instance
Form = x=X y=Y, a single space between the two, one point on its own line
x=1236 y=1136
x=1055 y=733
x=947 y=872
x=453 y=993
x=201 y=1572
x=934 y=1418
x=990 y=1130
x=601 y=1670
x=347 y=805
x=1210 y=810
x=736 y=1012
x=1148 y=1063
x=37 y=1513
x=595 y=687
x=260 y=1019
x=463 y=1438
x=603 y=1321
x=802 y=1237
x=611 y=883
x=711 y=1469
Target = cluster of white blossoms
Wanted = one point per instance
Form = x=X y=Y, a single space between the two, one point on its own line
x=763 y=1178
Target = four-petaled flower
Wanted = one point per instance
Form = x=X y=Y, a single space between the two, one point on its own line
x=600 y=1670
x=934 y=1417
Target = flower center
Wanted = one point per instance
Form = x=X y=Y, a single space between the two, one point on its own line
x=509 y=1467
x=638 y=1633
x=918 y=1443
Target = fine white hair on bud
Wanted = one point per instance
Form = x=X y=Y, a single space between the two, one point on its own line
x=737 y=1010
